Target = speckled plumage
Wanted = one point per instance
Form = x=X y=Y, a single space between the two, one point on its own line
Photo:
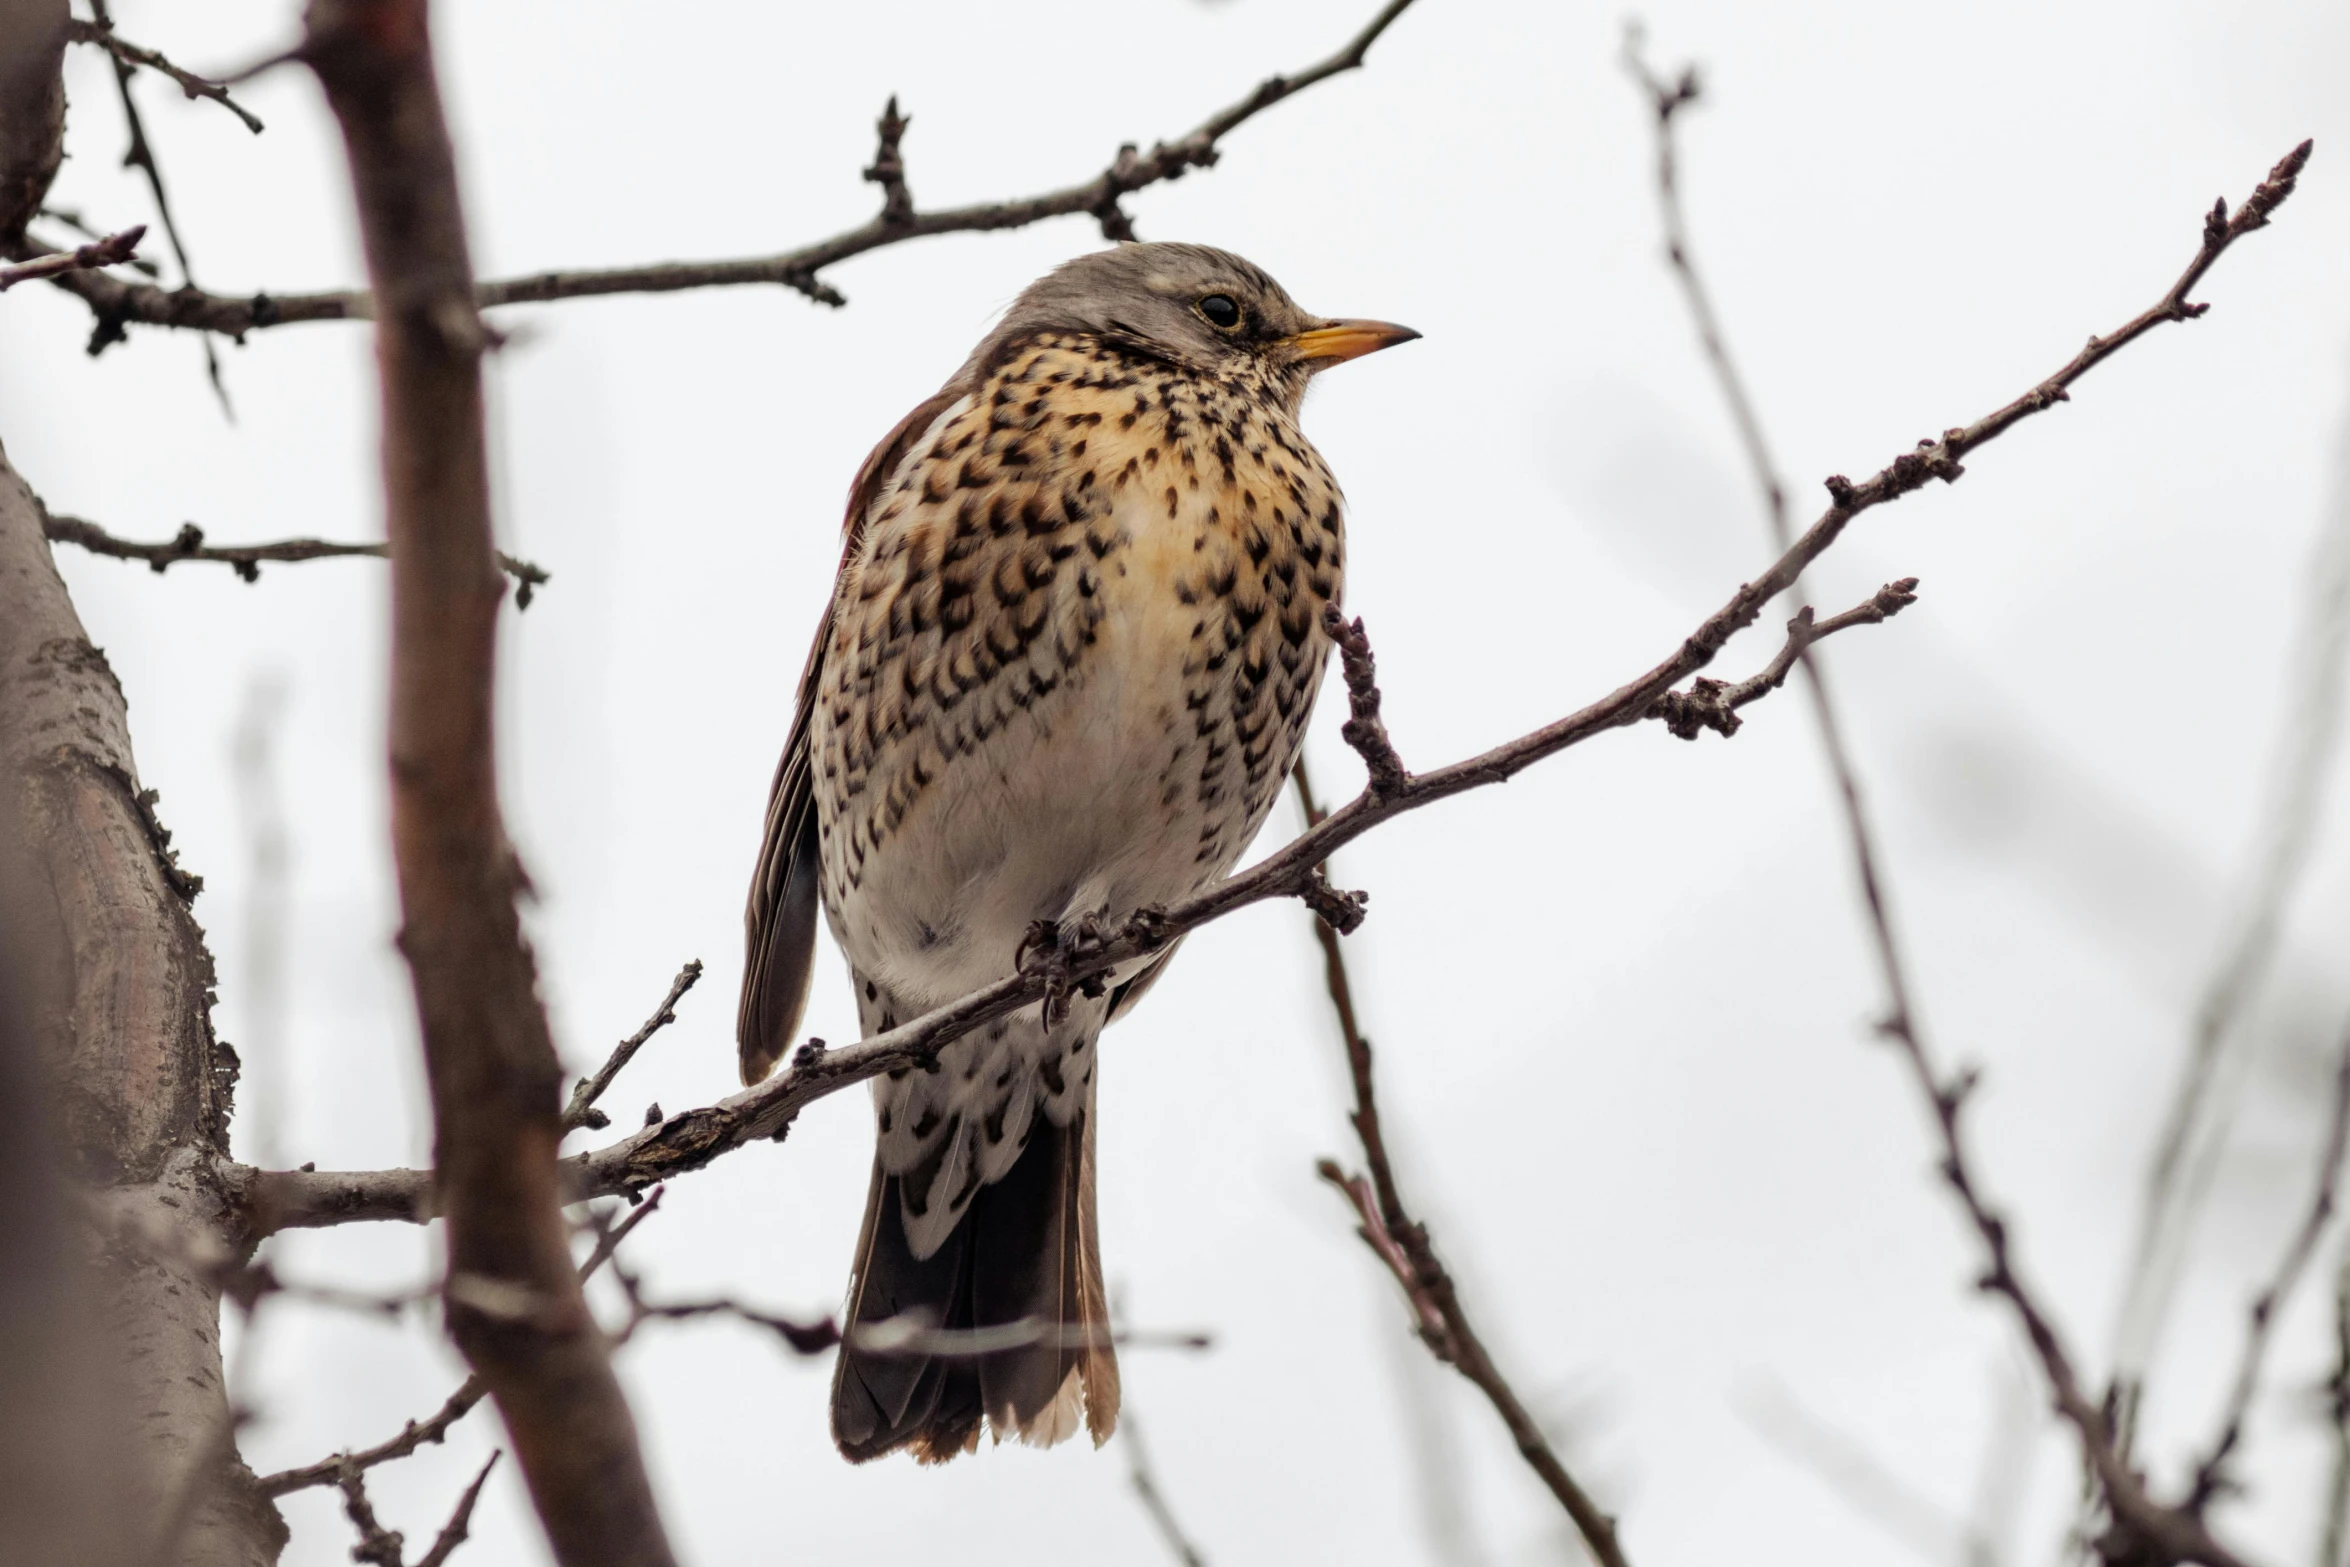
x=1103 y=579
x=1072 y=650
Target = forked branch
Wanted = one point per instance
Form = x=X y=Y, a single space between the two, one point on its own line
x=1714 y=704
x=117 y=302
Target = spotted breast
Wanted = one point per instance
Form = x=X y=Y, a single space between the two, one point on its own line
x=1070 y=656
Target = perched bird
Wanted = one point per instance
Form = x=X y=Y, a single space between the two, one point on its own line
x=1067 y=663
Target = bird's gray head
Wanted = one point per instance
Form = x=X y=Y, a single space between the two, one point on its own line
x=1203 y=309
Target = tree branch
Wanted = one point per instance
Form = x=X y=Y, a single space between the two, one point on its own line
x=2205 y=1097
x=116 y=301
x=141 y=156
x=2143 y=1529
x=909 y=1335
x=1364 y=730
x=1144 y=1479
x=889 y=166
x=415 y=1434
x=912 y=1333
x=378 y=1546
x=112 y=250
x=2211 y=1475
x=247 y=559
x=455 y=1531
x=1863 y=1481
x=581 y=1111
x=383 y=1547
x=491 y=1063
x=127 y=54
x=2335 y=1530
x=1667 y=99
x=1714 y=704
x=1403 y=1244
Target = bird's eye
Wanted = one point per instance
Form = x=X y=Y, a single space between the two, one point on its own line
x=1222 y=312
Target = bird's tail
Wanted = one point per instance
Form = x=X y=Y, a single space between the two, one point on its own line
x=1025 y=1251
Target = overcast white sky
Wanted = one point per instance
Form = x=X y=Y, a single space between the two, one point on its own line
x=1621 y=1004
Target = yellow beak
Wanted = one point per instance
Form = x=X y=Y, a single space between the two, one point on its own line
x=1335 y=342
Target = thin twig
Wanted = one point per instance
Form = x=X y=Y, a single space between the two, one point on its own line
x=1714 y=704
x=1667 y=99
x=1404 y=1245
x=378 y=1546
x=74 y=220
x=909 y=1334
x=225 y=1270
x=1364 y=730
x=915 y=1336
x=127 y=53
x=253 y=1283
x=116 y=302
x=141 y=156
x=2211 y=1475
x=247 y=559
x=694 y=1138
x=1145 y=1481
x=582 y=1111
x=2203 y=1102
x=382 y=1547
x=2334 y=1541
x=1863 y=1480
x=889 y=165
x=454 y=1532
x=413 y=1435
x=417 y=1433
x=112 y=250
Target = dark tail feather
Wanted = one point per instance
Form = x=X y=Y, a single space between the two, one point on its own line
x=883 y=1402
x=1027 y=1249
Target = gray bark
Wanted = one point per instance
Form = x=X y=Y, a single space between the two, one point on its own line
x=121 y=989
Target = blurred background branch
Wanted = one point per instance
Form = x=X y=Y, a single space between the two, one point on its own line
x=1404 y=1245
x=513 y=1301
x=2208 y=1097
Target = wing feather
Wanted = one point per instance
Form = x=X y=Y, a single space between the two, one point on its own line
x=779 y=954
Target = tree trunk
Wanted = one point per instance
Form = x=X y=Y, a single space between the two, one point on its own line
x=121 y=987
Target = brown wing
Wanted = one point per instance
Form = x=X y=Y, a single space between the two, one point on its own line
x=780 y=924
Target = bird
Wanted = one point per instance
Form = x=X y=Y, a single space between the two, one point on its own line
x=1065 y=670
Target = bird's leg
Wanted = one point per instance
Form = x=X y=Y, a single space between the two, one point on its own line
x=1043 y=952
x=1091 y=935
